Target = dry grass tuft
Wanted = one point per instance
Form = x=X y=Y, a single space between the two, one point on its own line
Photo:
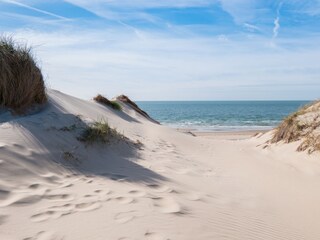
x=302 y=125
x=103 y=100
x=21 y=81
x=99 y=132
x=125 y=99
x=312 y=144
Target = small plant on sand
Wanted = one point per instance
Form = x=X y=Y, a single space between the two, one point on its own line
x=68 y=128
x=99 y=132
x=68 y=156
x=115 y=105
x=21 y=81
x=103 y=100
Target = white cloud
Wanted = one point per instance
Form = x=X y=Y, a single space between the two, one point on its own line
x=176 y=63
x=160 y=66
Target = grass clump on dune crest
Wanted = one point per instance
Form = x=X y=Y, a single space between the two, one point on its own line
x=126 y=100
x=21 y=80
x=103 y=100
x=302 y=125
x=99 y=132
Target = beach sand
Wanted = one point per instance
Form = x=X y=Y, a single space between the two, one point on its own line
x=229 y=135
x=158 y=183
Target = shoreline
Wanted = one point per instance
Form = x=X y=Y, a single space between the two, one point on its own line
x=223 y=135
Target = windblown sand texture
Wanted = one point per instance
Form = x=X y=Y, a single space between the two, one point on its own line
x=156 y=184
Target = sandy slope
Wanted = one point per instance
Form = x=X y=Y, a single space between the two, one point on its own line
x=174 y=186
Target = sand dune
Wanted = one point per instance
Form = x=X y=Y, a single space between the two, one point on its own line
x=160 y=184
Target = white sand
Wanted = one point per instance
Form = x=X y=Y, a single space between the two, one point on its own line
x=175 y=186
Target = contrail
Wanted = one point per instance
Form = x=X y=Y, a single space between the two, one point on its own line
x=136 y=31
x=35 y=9
x=276 y=27
x=277 y=23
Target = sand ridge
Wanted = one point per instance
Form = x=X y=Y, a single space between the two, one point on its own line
x=170 y=186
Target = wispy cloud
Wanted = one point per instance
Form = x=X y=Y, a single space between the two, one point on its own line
x=143 y=4
x=276 y=22
x=241 y=10
x=251 y=28
x=161 y=66
x=34 y=9
x=223 y=56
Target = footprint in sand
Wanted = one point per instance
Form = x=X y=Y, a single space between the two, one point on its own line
x=154 y=236
x=103 y=195
x=168 y=205
x=55 y=212
x=40 y=217
x=87 y=206
x=25 y=200
x=137 y=193
x=125 y=217
x=124 y=200
x=161 y=188
x=7 y=198
x=44 y=236
x=116 y=176
x=34 y=186
x=103 y=191
x=88 y=196
x=66 y=185
x=59 y=197
x=63 y=208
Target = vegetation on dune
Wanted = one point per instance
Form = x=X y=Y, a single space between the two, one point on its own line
x=125 y=99
x=302 y=125
x=103 y=100
x=21 y=80
x=99 y=132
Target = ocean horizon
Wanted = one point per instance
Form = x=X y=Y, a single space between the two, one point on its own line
x=221 y=116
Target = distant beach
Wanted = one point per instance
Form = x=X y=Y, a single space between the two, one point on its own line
x=221 y=116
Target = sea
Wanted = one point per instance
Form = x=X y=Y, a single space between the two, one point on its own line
x=220 y=116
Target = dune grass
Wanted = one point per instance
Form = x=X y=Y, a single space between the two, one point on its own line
x=99 y=132
x=115 y=105
x=301 y=125
x=103 y=100
x=126 y=100
x=21 y=80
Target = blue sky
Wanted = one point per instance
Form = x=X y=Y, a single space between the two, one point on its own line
x=173 y=50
